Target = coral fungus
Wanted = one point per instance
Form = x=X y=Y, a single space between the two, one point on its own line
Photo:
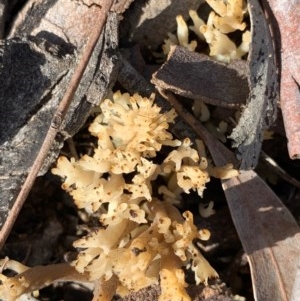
x=141 y=231
x=226 y=17
x=142 y=237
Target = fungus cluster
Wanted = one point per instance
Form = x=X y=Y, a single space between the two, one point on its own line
x=143 y=238
x=226 y=17
x=130 y=183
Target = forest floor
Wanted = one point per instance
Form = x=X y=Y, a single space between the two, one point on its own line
x=49 y=222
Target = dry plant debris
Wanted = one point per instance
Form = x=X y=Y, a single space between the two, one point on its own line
x=137 y=174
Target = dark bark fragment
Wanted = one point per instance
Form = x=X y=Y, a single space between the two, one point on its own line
x=197 y=76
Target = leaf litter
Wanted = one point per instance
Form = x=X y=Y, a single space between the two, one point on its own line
x=264 y=225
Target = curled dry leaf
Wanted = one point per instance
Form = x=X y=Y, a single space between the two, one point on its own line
x=284 y=16
x=263 y=81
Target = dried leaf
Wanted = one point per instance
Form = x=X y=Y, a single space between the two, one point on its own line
x=197 y=76
x=261 y=108
x=284 y=16
x=268 y=232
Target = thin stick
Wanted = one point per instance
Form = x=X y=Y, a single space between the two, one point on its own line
x=56 y=121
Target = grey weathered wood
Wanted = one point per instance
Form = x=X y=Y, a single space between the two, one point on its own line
x=34 y=72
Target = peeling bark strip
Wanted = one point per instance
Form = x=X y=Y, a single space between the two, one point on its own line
x=197 y=76
x=287 y=15
x=98 y=13
x=261 y=108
